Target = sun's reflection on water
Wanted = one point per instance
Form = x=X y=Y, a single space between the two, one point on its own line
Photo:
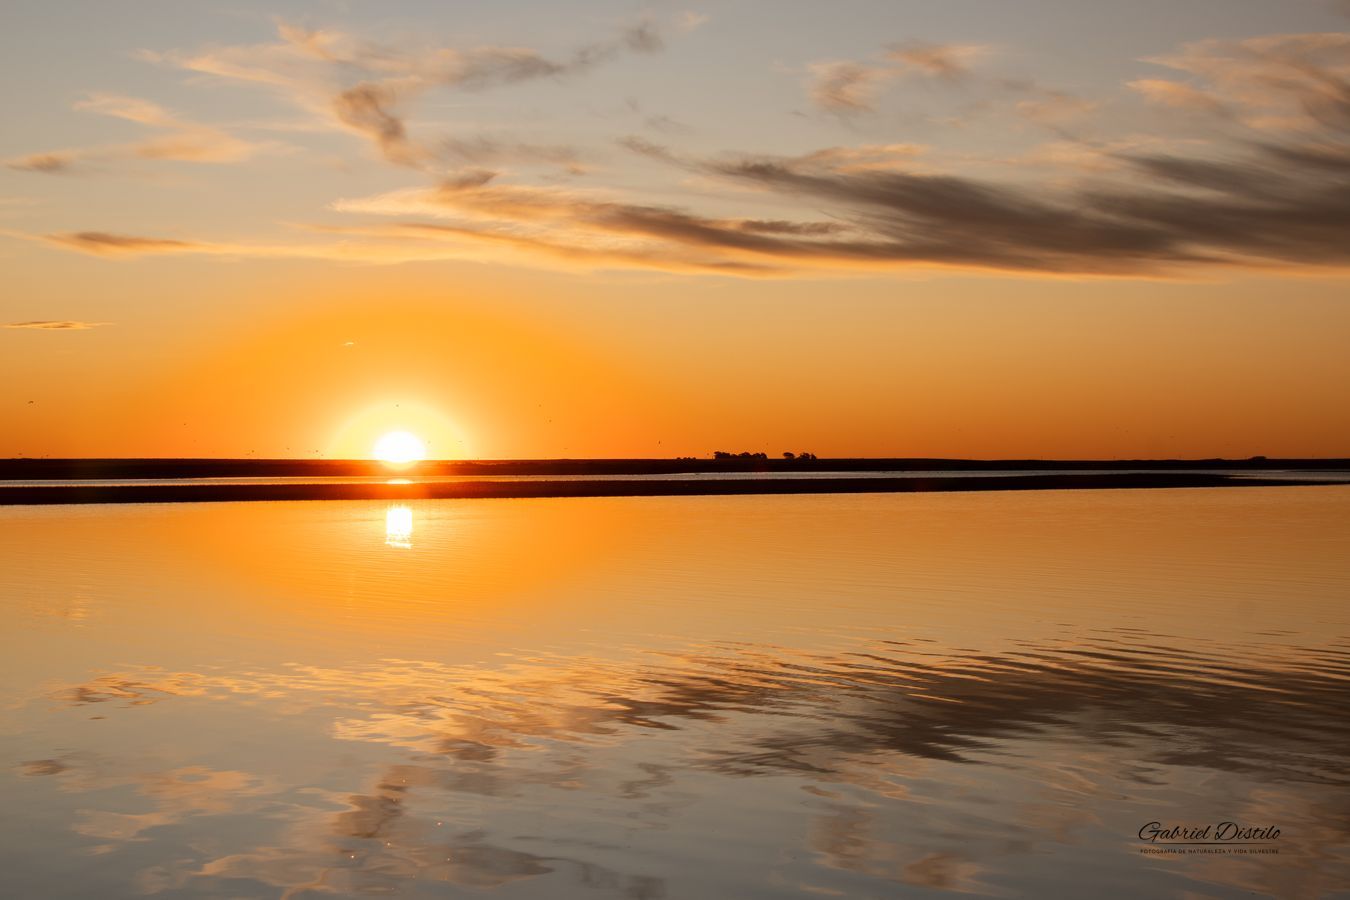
x=398 y=526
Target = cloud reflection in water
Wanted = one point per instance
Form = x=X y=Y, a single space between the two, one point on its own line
x=605 y=775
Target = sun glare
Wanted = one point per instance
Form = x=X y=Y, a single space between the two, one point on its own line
x=399 y=448
x=398 y=527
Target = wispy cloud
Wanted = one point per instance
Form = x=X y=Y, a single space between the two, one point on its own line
x=405 y=242
x=365 y=88
x=369 y=109
x=1281 y=82
x=951 y=62
x=102 y=243
x=1055 y=108
x=53 y=325
x=181 y=139
x=485 y=150
x=846 y=86
x=348 y=84
x=55 y=163
x=184 y=140
x=867 y=157
x=851 y=86
x=1178 y=95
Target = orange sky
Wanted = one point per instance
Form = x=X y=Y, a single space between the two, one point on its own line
x=915 y=233
x=933 y=367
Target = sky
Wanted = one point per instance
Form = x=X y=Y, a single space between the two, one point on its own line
x=968 y=228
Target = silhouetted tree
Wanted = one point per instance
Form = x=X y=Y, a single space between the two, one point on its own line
x=788 y=454
x=744 y=454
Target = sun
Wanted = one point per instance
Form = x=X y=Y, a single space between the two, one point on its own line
x=399 y=448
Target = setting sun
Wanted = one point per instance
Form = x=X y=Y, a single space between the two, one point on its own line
x=399 y=447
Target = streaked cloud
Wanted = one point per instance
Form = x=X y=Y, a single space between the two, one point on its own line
x=950 y=62
x=403 y=242
x=182 y=140
x=185 y=140
x=1055 y=108
x=56 y=325
x=369 y=109
x=365 y=88
x=867 y=157
x=54 y=163
x=1279 y=206
x=1282 y=82
x=1178 y=95
x=1292 y=215
x=103 y=243
x=484 y=150
x=845 y=86
x=851 y=86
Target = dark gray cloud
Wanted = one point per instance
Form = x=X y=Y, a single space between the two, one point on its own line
x=1180 y=211
x=1269 y=204
x=1265 y=204
x=955 y=220
x=691 y=230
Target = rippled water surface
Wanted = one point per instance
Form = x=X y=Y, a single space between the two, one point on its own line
x=865 y=696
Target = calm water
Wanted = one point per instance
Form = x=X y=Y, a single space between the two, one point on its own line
x=868 y=696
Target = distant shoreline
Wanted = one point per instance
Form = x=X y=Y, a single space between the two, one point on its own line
x=195 y=493
x=106 y=469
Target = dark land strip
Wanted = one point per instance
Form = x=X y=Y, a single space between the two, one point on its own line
x=108 y=469
x=188 y=493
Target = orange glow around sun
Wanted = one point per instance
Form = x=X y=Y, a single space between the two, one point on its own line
x=398 y=434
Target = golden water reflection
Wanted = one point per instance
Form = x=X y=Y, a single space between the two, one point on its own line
x=866 y=697
x=398 y=526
